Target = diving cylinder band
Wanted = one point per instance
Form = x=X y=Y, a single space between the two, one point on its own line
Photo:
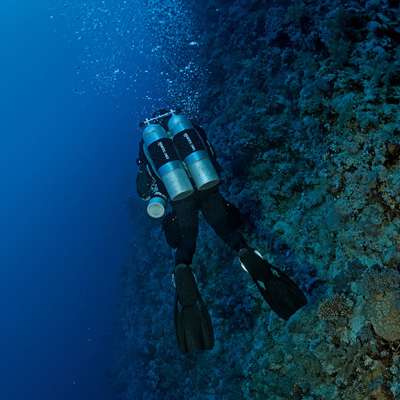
x=192 y=151
x=161 y=151
x=156 y=206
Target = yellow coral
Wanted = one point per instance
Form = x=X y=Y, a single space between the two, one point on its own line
x=334 y=308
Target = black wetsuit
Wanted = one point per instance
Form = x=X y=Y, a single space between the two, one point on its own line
x=216 y=210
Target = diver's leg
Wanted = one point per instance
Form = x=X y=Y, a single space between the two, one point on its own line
x=192 y=321
x=188 y=221
x=279 y=291
x=215 y=211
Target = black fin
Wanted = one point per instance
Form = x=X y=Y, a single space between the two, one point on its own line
x=279 y=291
x=193 y=325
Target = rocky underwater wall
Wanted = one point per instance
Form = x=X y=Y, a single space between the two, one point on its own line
x=302 y=107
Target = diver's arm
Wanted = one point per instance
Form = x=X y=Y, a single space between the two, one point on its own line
x=144 y=179
x=148 y=184
x=144 y=182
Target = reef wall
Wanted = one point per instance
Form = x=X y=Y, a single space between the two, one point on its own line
x=302 y=107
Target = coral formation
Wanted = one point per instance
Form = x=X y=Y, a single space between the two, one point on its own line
x=303 y=109
x=381 y=289
x=334 y=308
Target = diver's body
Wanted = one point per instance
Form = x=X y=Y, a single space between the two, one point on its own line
x=193 y=323
x=210 y=202
x=214 y=209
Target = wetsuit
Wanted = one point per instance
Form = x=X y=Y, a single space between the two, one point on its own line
x=216 y=210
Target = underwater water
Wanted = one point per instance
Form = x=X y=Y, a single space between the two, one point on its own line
x=301 y=103
x=75 y=78
x=64 y=232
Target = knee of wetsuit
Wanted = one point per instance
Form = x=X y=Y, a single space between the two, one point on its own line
x=234 y=216
x=171 y=230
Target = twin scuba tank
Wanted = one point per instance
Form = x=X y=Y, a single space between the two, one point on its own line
x=178 y=155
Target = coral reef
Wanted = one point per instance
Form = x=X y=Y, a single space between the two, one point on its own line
x=303 y=109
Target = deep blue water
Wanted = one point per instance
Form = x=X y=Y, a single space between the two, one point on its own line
x=67 y=170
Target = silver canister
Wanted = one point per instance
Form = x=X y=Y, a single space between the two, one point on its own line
x=192 y=150
x=162 y=155
x=156 y=207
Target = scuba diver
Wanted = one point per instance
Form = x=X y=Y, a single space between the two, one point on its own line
x=178 y=170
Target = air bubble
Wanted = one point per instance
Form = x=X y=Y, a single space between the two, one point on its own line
x=122 y=37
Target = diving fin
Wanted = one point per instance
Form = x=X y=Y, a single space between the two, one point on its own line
x=193 y=325
x=279 y=291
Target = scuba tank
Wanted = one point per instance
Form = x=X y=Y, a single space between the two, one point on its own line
x=159 y=150
x=192 y=151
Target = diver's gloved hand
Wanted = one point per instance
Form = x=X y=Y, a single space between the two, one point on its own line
x=193 y=325
x=279 y=291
